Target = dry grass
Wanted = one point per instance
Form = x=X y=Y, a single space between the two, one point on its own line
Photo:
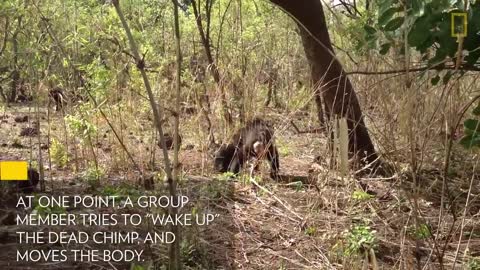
x=304 y=224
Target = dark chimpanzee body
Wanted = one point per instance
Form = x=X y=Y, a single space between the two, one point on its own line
x=58 y=97
x=254 y=140
x=27 y=186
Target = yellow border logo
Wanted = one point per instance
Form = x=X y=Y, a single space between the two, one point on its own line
x=13 y=170
x=463 y=27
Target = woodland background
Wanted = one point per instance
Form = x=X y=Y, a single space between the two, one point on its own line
x=231 y=61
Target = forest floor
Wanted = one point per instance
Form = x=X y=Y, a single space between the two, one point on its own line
x=295 y=223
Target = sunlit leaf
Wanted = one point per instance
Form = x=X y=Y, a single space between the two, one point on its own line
x=387 y=16
x=394 y=24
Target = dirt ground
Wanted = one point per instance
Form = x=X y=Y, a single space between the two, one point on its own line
x=299 y=222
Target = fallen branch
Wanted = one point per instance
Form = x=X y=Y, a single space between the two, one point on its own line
x=252 y=179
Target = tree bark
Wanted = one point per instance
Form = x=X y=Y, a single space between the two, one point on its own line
x=321 y=114
x=328 y=75
x=15 y=73
x=205 y=38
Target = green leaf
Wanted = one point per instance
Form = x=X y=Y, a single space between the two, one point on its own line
x=370 y=30
x=383 y=5
x=447 y=77
x=420 y=33
x=415 y=6
x=394 y=24
x=387 y=16
x=385 y=48
x=471 y=41
x=443 y=37
x=472 y=124
x=476 y=111
x=435 y=80
x=361 y=195
x=470 y=141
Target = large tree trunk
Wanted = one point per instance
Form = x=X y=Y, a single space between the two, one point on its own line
x=328 y=75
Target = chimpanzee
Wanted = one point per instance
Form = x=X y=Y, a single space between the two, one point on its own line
x=57 y=95
x=256 y=140
x=23 y=94
x=22 y=98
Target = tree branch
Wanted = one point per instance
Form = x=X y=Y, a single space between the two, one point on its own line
x=5 y=38
x=438 y=68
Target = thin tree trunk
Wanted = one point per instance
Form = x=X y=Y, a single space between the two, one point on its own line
x=321 y=114
x=328 y=74
x=158 y=114
x=2 y=49
x=205 y=38
x=80 y=82
x=41 y=170
x=15 y=73
x=174 y=249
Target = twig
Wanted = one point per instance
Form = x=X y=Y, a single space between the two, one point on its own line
x=314 y=130
x=252 y=179
x=439 y=68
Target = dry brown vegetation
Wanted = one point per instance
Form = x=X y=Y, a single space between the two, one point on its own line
x=422 y=213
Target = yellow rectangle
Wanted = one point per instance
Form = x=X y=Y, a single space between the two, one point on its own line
x=463 y=26
x=13 y=170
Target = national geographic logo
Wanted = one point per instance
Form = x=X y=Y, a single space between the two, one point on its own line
x=459 y=24
x=13 y=170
